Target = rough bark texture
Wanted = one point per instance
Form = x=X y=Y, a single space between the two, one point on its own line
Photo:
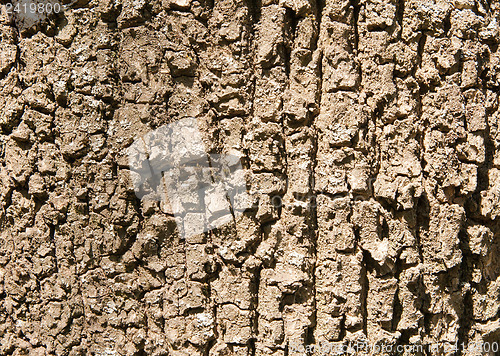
x=375 y=122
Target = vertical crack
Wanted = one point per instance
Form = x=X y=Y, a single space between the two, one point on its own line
x=289 y=35
x=314 y=137
x=465 y=276
x=400 y=10
x=364 y=291
x=356 y=7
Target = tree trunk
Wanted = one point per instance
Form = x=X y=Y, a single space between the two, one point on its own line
x=366 y=137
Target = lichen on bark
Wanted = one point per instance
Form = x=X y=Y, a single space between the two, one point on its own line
x=374 y=123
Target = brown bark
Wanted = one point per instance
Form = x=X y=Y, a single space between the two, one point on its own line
x=374 y=123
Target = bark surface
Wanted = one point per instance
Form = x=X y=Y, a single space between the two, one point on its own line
x=374 y=123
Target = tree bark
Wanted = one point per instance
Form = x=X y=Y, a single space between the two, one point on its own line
x=369 y=135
